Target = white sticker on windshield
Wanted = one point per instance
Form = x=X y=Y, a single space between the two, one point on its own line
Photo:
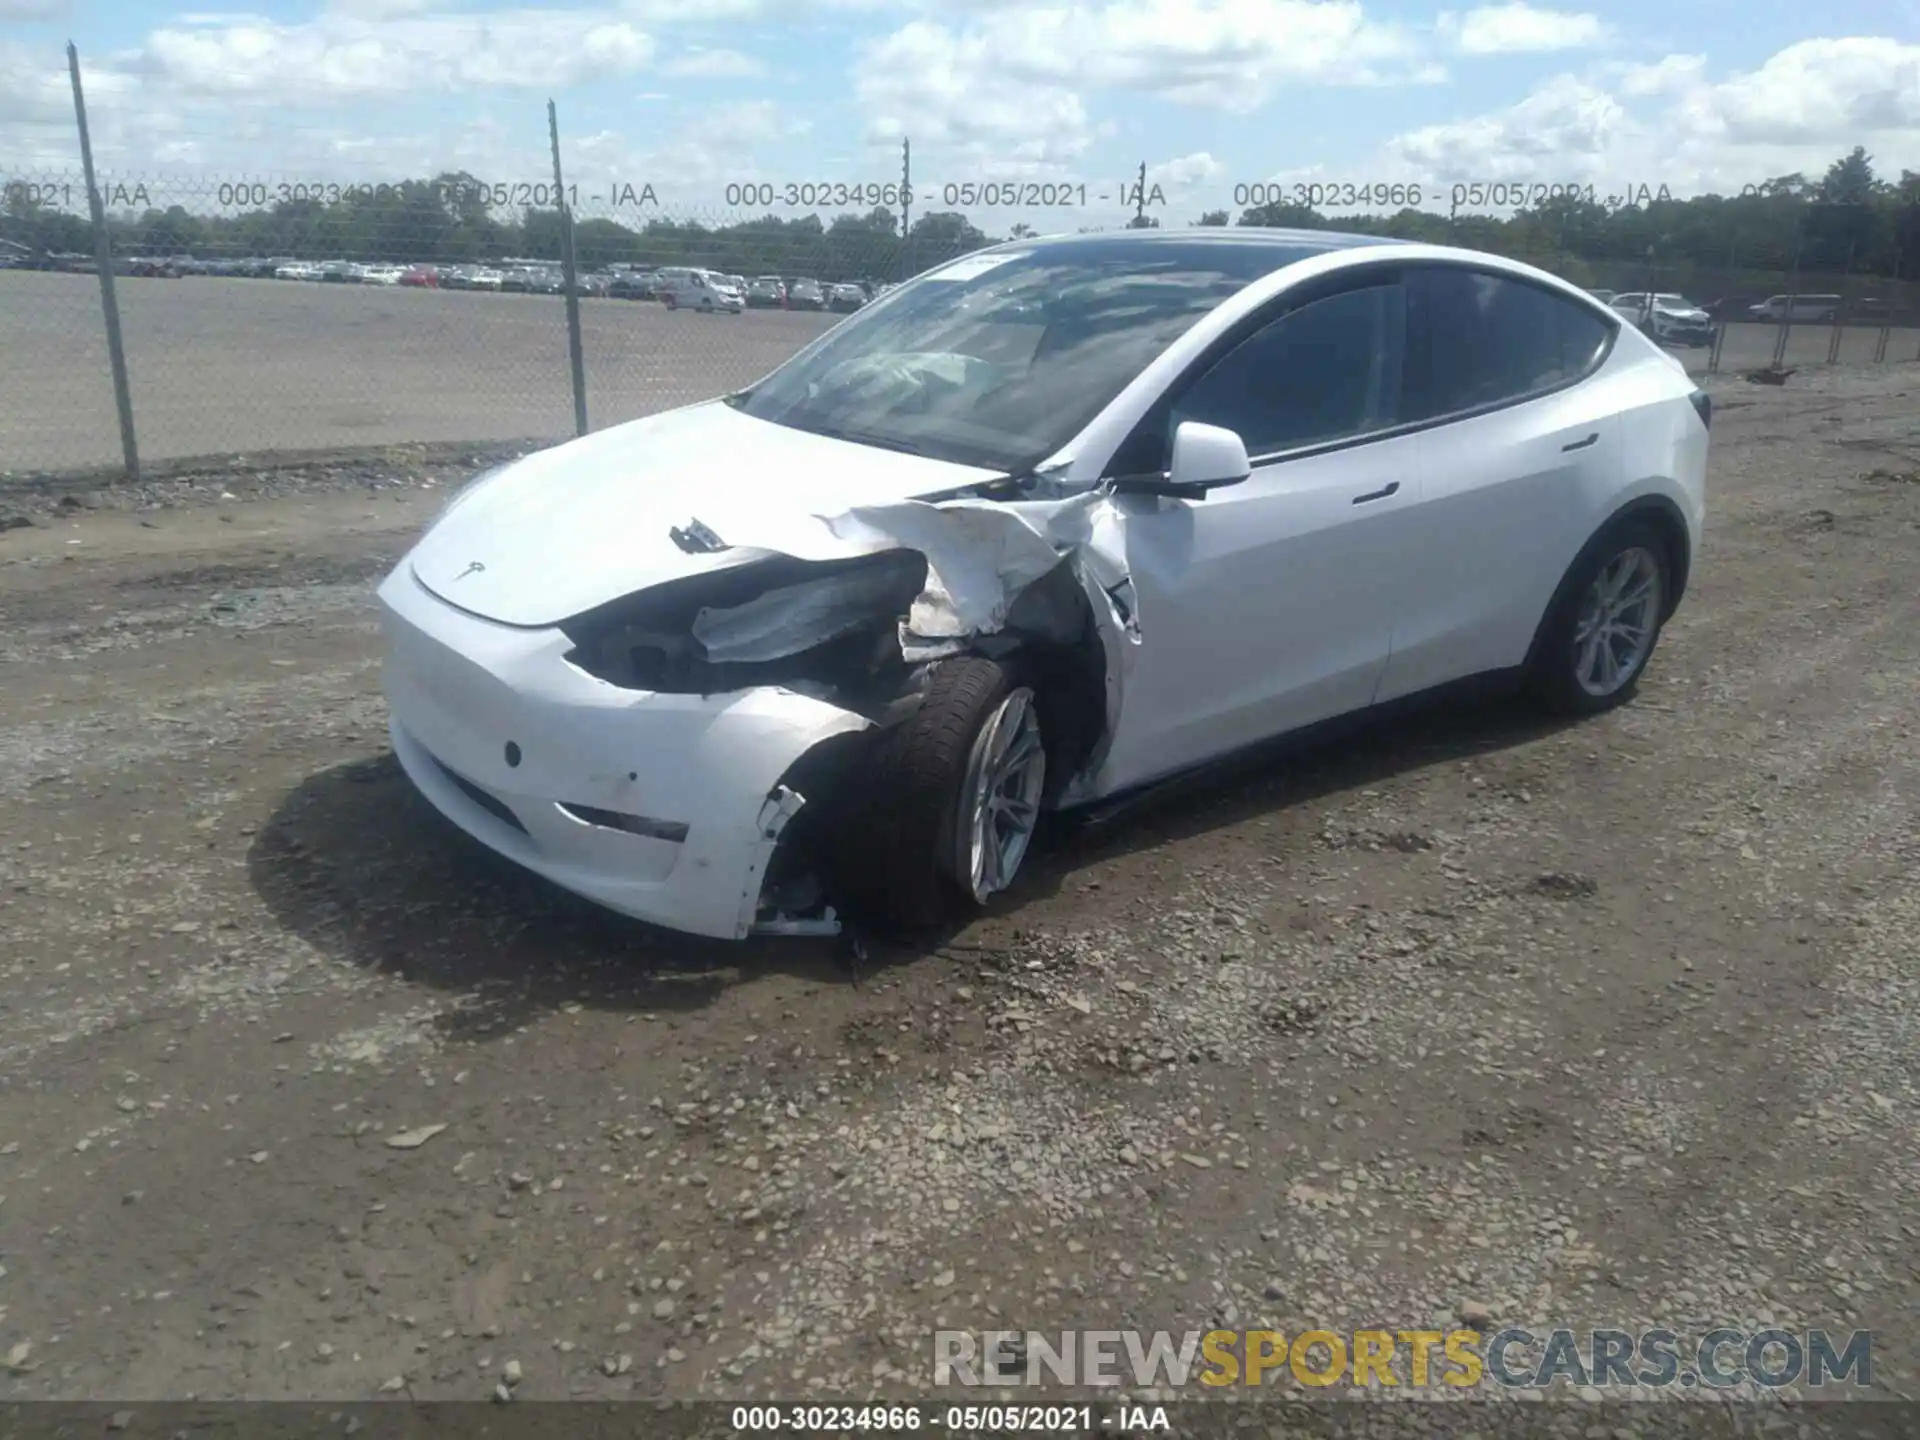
x=972 y=265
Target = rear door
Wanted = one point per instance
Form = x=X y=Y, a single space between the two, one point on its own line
x=1518 y=449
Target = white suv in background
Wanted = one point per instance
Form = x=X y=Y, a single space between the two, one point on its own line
x=1814 y=309
x=699 y=290
x=1669 y=319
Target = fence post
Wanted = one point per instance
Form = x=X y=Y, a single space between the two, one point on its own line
x=1840 y=316
x=1793 y=295
x=576 y=356
x=103 y=261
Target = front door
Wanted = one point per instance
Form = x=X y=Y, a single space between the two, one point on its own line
x=1269 y=605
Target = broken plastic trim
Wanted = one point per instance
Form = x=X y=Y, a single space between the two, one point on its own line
x=758 y=917
x=697 y=539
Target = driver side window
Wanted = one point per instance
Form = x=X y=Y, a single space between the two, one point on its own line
x=1328 y=371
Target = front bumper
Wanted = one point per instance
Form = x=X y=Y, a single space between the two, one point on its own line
x=538 y=760
x=1685 y=333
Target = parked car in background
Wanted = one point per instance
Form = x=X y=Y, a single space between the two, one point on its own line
x=767 y=292
x=632 y=285
x=1870 y=309
x=297 y=270
x=425 y=276
x=382 y=274
x=1799 y=309
x=595 y=283
x=1731 y=309
x=1670 y=319
x=683 y=289
x=846 y=297
x=806 y=295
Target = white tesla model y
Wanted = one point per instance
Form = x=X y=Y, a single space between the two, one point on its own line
x=1050 y=523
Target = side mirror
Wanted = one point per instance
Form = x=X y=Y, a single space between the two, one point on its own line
x=1205 y=457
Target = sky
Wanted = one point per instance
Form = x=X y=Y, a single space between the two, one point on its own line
x=698 y=98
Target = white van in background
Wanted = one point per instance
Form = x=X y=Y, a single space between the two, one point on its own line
x=1815 y=309
x=683 y=289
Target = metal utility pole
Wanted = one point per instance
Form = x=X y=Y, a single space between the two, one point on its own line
x=575 y=357
x=906 y=208
x=103 y=261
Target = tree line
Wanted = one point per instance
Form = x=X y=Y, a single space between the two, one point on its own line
x=1847 y=222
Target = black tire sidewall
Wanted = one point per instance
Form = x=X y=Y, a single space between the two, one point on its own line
x=897 y=865
x=1551 y=676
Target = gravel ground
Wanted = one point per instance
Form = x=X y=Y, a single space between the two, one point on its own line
x=220 y=367
x=305 y=1096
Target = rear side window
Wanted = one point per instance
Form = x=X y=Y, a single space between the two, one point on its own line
x=1326 y=372
x=1476 y=339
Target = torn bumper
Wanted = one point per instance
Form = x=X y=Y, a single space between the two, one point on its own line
x=658 y=806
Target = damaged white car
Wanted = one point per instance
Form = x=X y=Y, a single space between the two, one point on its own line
x=1050 y=523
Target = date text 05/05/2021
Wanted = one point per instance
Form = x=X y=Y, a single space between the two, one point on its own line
x=911 y=1418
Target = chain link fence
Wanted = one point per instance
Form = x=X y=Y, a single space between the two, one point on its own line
x=269 y=313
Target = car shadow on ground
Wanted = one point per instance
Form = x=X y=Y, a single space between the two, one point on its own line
x=357 y=864
x=1352 y=755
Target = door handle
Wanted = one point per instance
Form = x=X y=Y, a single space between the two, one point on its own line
x=1391 y=489
x=1593 y=439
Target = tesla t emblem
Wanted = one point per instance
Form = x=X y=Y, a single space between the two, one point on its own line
x=474 y=567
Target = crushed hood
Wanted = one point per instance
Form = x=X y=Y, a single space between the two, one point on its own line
x=570 y=528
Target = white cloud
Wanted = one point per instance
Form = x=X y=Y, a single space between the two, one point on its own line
x=34 y=10
x=1185 y=172
x=712 y=65
x=1820 y=91
x=1672 y=75
x=1667 y=123
x=339 y=56
x=1518 y=28
x=1007 y=85
x=1568 y=125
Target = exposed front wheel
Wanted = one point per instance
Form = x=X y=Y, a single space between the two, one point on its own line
x=952 y=799
x=1602 y=632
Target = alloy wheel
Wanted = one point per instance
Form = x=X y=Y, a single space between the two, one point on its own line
x=1000 y=800
x=1618 y=618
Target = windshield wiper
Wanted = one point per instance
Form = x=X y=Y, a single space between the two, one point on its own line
x=862 y=437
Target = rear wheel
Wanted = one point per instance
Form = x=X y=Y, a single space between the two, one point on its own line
x=954 y=798
x=1604 y=627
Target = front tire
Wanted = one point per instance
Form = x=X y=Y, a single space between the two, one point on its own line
x=1605 y=624
x=953 y=799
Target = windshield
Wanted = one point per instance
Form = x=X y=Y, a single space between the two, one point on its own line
x=1000 y=358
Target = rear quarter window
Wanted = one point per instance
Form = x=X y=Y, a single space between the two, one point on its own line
x=1476 y=339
